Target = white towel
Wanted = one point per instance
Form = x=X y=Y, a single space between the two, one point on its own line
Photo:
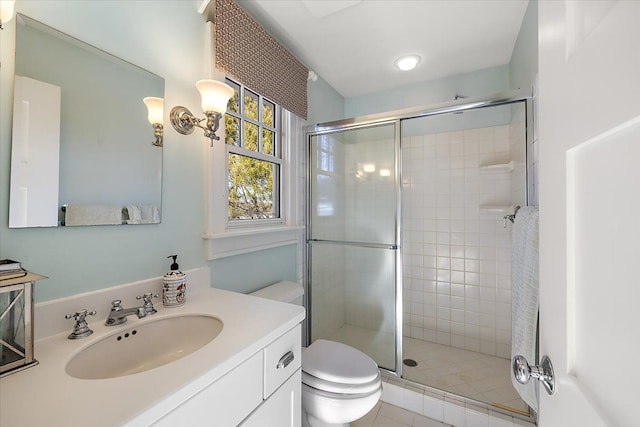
x=135 y=214
x=150 y=214
x=524 y=295
x=93 y=215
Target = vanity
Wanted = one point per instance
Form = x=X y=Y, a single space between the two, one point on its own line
x=248 y=374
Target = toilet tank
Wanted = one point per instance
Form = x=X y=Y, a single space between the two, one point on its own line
x=289 y=292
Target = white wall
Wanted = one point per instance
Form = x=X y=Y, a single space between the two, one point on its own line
x=168 y=38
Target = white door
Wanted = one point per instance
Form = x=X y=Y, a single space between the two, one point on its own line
x=589 y=146
x=35 y=154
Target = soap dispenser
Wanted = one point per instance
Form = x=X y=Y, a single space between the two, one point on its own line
x=174 y=285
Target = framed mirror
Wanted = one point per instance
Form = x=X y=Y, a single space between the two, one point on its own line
x=82 y=147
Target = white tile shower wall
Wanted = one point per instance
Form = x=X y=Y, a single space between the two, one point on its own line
x=328 y=290
x=371 y=202
x=456 y=256
x=369 y=292
x=327 y=280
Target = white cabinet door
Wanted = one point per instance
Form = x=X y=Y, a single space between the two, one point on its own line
x=589 y=121
x=224 y=403
x=282 y=409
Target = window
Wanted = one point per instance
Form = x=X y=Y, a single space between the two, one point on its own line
x=255 y=178
x=254 y=157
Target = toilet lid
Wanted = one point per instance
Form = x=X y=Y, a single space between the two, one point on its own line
x=338 y=363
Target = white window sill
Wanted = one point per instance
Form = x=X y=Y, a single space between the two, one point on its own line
x=237 y=242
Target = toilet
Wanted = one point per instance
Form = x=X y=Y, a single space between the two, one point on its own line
x=340 y=384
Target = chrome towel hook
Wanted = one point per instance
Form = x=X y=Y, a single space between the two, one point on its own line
x=511 y=217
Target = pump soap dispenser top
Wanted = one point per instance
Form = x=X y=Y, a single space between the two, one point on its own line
x=174 y=285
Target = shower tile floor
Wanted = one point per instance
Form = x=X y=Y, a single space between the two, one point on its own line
x=466 y=373
x=473 y=375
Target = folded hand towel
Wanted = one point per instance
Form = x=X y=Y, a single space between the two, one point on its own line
x=93 y=215
x=135 y=214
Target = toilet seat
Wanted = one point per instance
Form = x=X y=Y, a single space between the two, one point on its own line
x=340 y=388
x=335 y=367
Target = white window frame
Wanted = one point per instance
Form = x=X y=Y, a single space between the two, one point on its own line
x=226 y=238
x=277 y=158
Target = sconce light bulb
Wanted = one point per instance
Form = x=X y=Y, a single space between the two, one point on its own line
x=215 y=95
x=369 y=167
x=6 y=11
x=155 y=108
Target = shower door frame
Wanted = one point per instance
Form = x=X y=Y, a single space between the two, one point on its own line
x=397 y=117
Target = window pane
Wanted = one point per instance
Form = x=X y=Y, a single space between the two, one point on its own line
x=250 y=105
x=250 y=136
x=231 y=130
x=234 y=102
x=253 y=188
x=268 y=142
x=268 y=113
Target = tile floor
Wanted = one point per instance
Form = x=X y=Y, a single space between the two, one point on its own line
x=465 y=373
x=469 y=374
x=386 y=415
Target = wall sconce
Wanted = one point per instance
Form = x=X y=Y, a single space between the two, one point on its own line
x=215 y=96
x=6 y=11
x=155 y=107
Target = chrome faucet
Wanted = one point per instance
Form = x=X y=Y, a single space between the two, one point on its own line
x=118 y=315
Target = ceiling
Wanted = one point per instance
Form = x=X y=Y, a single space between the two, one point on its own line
x=352 y=44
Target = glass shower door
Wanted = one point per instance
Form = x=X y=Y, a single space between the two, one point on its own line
x=353 y=239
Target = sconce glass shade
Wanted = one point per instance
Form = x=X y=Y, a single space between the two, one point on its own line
x=155 y=106
x=215 y=95
x=6 y=11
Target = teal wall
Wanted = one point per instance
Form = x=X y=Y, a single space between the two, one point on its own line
x=524 y=59
x=170 y=39
x=325 y=104
x=250 y=272
x=477 y=83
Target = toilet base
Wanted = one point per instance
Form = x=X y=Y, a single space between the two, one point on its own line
x=311 y=421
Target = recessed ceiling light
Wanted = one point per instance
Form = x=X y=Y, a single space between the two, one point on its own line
x=407 y=62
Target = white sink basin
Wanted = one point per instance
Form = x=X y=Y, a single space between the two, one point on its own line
x=144 y=346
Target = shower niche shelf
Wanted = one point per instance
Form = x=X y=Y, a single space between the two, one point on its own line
x=497 y=209
x=499 y=167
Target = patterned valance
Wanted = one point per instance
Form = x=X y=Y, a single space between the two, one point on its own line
x=248 y=53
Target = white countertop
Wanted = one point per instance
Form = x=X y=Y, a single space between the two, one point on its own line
x=45 y=395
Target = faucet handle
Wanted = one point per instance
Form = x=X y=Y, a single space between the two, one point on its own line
x=116 y=305
x=147 y=304
x=81 y=328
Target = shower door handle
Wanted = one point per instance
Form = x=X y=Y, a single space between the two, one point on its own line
x=523 y=372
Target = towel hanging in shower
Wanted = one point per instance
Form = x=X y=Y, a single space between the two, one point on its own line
x=524 y=295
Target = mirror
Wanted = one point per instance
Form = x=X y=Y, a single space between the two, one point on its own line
x=82 y=147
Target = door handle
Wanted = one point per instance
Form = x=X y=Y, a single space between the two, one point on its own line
x=523 y=372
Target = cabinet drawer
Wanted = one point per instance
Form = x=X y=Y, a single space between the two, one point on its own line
x=282 y=358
